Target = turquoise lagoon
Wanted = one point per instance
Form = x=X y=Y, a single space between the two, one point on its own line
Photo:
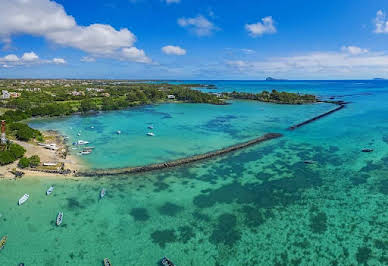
x=259 y=206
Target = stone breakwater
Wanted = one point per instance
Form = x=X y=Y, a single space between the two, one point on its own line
x=179 y=162
x=341 y=106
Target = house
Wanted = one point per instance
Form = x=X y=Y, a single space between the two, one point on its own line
x=171 y=97
x=77 y=93
x=5 y=94
x=105 y=94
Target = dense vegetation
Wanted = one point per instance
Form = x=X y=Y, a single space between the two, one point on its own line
x=25 y=162
x=10 y=153
x=274 y=97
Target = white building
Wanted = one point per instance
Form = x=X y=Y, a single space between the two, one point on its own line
x=171 y=97
x=5 y=94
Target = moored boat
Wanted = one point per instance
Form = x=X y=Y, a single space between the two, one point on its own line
x=150 y=134
x=107 y=262
x=3 y=241
x=166 y=262
x=118 y=132
x=50 y=190
x=150 y=127
x=59 y=218
x=102 y=193
x=23 y=199
x=85 y=152
x=82 y=142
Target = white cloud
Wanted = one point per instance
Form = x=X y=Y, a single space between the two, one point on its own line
x=135 y=55
x=27 y=59
x=59 y=61
x=354 y=50
x=248 y=51
x=173 y=50
x=88 y=59
x=172 y=1
x=317 y=64
x=48 y=19
x=381 y=23
x=31 y=56
x=10 y=58
x=200 y=25
x=265 y=27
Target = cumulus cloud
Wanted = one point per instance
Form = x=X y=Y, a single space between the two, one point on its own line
x=49 y=19
x=88 y=59
x=173 y=50
x=136 y=55
x=59 y=61
x=200 y=25
x=266 y=26
x=29 y=58
x=316 y=63
x=354 y=50
x=381 y=23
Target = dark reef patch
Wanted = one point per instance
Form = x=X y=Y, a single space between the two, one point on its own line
x=170 y=209
x=363 y=254
x=266 y=195
x=224 y=231
x=73 y=203
x=318 y=222
x=359 y=179
x=162 y=237
x=185 y=234
x=252 y=216
x=139 y=214
x=201 y=217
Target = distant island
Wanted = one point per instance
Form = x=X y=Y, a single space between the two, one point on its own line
x=379 y=79
x=274 y=79
x=274 y=97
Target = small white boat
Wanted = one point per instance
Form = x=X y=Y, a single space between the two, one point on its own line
x=79 y=134
x=118 y=132
x=150 y=134
x=59 y=218
x=85 y=152
x=23 y=199
x=150 y=127
x=92 y=127
x=102 y=193
x=50 y=190
x=82 y=142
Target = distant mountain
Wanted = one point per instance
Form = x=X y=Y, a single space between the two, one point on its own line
x=379 y=79
x=273 y=79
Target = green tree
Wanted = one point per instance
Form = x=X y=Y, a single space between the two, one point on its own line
x=24 y=162
x=34 y=160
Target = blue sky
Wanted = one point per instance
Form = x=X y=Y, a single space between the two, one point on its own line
x=191 y=39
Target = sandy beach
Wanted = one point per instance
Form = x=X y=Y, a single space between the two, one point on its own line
x=60 y=156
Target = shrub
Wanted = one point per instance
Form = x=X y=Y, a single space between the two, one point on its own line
x=24 y=162
x=16 y=150
x=34 y=160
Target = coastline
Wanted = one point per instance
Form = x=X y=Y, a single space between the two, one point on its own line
x=68 y=162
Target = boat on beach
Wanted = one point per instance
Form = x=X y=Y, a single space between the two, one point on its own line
x=102 y=193
x=107 y=262
x=150 y=134
x=23 y=199
x=3 y=241
x=166 y=262
x=50 y=190
x=59 y=218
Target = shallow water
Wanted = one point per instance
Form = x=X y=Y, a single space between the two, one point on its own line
x=259 y=206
